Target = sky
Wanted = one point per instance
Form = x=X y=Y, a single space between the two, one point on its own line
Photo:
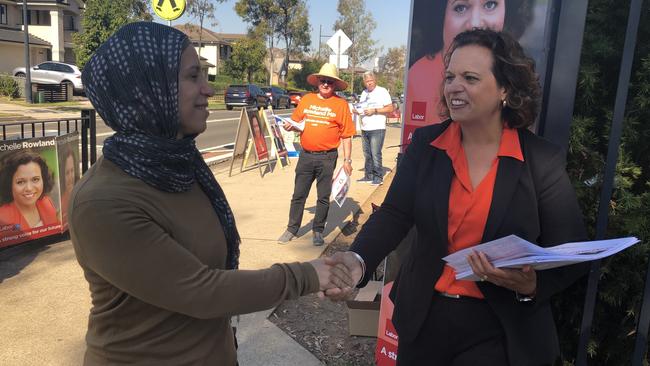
x=392 y=17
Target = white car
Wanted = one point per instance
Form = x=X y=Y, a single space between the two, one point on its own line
x=52 y=72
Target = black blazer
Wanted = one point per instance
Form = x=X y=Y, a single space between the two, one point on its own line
x=533 y=199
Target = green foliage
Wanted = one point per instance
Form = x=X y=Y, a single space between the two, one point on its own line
x=8 y=86
x=391 y=70
x=246 y=60
x=358 y=24
x=298 y=78
x=103 y=18
x=356 y=86
x=622 y=279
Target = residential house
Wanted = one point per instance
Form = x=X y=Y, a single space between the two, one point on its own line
x=215 y=47
x=51 y=25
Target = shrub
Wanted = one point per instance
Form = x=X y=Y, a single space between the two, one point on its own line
x=8 y=86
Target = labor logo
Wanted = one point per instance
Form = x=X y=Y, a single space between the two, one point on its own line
x=168 y=9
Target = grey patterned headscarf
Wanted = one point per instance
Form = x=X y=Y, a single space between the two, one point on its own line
x=132 y=81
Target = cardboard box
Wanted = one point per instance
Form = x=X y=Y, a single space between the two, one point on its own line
x=363 y=311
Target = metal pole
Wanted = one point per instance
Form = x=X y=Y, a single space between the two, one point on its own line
x=610 y=172
x=28 y=74
x=320 y=29
x=338 y=54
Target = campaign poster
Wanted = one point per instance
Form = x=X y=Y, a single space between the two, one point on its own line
x=29 y=192
x=435 y=23
x=258 y=136
x=68 y=147
x=276 y=134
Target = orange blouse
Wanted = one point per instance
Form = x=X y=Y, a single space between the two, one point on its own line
x=469 y=207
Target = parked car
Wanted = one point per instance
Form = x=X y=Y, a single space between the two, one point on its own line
x=295 y=97
x=348 y=96
x=52 y=72
x=246 y=95
x=279 y=97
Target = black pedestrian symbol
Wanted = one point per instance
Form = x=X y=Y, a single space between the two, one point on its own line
x=173 y=2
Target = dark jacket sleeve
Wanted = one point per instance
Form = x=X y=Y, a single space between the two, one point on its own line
x=560 y=220
x=385 y=228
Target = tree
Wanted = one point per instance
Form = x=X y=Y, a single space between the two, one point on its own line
x=103 y=18
x=358 y=25
x=202 y=10
x=246 y=59
x=262 y=16
x=391 y=69
x=293 y=25
x=277 y=19
x=298 y=78
x=621 y=283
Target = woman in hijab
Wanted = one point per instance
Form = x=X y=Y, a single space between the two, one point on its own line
x=151 y=226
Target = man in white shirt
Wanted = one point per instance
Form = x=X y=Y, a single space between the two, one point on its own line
x=374 y=104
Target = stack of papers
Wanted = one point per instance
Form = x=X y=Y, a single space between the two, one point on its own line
x=515 y=252
x=340 y=187
x=299 y=125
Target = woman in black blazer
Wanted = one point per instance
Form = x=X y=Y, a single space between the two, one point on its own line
x=491 y=94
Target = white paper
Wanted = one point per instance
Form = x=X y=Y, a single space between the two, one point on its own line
x=515 y=252
x=340 y=187
x=299 y=125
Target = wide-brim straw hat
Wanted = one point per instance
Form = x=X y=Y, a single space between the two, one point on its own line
x=329 y=71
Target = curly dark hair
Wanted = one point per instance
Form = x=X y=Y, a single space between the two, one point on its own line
x=512 y=69
x=10 y=165
x=429 y=19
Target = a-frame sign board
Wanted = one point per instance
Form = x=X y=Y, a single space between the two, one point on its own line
x=278 y=145
x=250 y=138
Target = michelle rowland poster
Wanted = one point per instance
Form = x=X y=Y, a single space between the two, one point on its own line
x=435 y=23
x=29 y=192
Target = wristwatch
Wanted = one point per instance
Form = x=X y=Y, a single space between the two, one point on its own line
x=525 y=298
x=347 y=161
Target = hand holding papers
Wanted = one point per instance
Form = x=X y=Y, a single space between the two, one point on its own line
x=300 y=126
x=340 y=187
x=515 y=252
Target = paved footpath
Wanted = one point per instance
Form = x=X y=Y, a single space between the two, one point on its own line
x=44 y=299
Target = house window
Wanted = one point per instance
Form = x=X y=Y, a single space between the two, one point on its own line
x=68 y=23
x=3 y=14
x=37 y=17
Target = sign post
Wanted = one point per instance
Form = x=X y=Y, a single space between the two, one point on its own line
x=339 y=43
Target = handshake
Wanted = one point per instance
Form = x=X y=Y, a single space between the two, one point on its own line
x=338 y=275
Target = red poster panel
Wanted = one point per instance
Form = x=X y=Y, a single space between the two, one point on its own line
x=386 y=350
x=258 y=135
x=29 y=191
x=435 y=23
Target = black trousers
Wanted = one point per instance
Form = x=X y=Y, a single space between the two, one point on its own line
x=457 y=332
x=310 y=167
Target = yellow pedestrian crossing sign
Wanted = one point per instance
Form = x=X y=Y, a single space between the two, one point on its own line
x=168 y=9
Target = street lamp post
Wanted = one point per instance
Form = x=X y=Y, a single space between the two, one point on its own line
x=28 y=74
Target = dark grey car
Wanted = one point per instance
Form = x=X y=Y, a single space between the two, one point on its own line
x=245 y=95
x=279 y=97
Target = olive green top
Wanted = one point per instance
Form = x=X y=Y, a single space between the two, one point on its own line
x=155 y=265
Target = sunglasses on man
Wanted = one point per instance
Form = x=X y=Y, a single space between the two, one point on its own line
x=326 y=81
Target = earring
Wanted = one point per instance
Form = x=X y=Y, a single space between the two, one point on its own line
x=503 y=103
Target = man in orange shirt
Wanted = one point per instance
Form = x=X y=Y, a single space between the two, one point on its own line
x=327 y=122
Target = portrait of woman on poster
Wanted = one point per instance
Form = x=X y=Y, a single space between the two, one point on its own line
x=68 y=176
x=25 y=182
x=435 y=24
x=478 y=176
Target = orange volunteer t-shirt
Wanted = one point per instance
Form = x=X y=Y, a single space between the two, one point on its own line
x=327 y=121
x=469 y=206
